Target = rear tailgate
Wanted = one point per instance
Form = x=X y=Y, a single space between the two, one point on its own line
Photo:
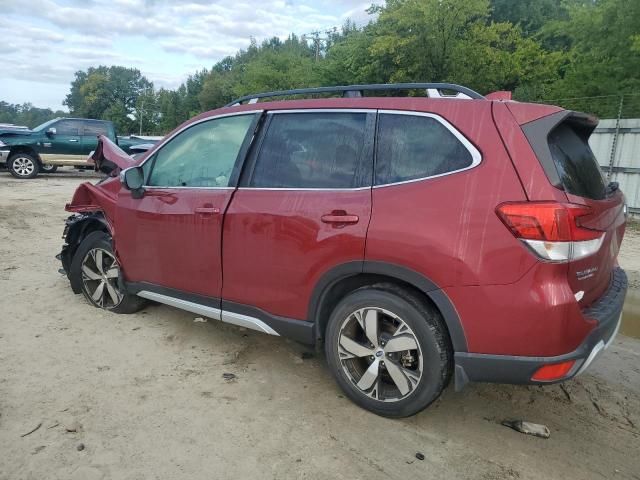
x=560 y=142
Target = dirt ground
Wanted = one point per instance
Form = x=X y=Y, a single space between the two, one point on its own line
x=147 y=398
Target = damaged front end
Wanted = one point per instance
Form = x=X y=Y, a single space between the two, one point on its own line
x=76 y=228
x=109 y=158
x=93 y=205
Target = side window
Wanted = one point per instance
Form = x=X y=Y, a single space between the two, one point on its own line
x=68 y=127
x=412 y=147
x=311 y=150
x=201 y=156
x=94 y=129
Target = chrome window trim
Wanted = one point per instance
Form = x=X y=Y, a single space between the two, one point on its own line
x=476 y=156
x=306 y=189
x=324 y=110
x=186 y=127
x=158 y=187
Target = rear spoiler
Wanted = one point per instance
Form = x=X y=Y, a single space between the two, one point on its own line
x=109 y=158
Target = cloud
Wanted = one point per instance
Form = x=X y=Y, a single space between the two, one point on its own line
x=163 y=38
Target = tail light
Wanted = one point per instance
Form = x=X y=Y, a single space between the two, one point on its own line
x=551 y=230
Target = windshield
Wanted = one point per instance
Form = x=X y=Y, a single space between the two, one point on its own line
x=45 y=125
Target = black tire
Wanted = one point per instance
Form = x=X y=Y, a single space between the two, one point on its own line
x=47 y=168
x=101 y=241
x=425 y=326
x=23 y=166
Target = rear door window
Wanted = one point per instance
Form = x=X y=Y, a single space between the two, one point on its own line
x=95 y=128
x=68 y=127
x=576 y=164
x=412 y=147
x=313 y=150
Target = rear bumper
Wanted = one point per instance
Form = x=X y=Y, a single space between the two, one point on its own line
x=607 y=312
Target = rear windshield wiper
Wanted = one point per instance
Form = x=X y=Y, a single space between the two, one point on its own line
x=612 y=187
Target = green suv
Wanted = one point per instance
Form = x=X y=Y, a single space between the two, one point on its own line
x=58 y=142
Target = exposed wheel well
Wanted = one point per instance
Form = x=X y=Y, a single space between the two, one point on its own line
x=24 y=149
x=79 y=227
x=342 y=287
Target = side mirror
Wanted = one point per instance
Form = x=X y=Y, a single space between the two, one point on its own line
x=133 y=179
x=51 y=132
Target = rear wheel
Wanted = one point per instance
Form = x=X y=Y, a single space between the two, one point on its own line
x=23 y=165
x=48 y=168
x=97 y=270
x=388 y=350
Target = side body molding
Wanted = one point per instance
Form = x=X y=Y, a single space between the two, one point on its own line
x=417 y=280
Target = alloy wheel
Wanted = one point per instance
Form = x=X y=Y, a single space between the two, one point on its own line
x=23 y=166
x=380 y=354
x=100 y=271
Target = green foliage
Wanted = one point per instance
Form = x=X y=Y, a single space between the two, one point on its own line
x=604 y=57
x=26 y=114
x=542 y=50
x=108 y=93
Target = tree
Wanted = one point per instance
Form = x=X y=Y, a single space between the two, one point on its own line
x=26 y=114
x=605 y=54
x=109 y=93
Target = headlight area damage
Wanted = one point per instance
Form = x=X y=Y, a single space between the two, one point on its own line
x=93 y=205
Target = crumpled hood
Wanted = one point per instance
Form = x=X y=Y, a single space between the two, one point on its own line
x=109 y=158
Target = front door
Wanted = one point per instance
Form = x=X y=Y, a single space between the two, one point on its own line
x=64 y=146
x=302 y=209
x=171 y=236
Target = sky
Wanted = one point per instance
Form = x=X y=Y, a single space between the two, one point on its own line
x=44 y=42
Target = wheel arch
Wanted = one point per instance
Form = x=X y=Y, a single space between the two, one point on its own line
x=28 y=149
x=343 y=279
x=76 y=229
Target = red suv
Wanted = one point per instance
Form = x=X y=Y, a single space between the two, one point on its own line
x=416 y=239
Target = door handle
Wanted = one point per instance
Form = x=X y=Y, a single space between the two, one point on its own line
x=339 y=217
x=73 y=139
x=207 y=210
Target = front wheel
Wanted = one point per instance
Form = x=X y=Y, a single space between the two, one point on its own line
x=97 y=270
x=388 y=350
x=23 y=166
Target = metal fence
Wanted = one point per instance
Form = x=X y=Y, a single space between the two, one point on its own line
x=616 y=140
x=616 y=144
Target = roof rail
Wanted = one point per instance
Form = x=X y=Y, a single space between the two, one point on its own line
x=433 y=90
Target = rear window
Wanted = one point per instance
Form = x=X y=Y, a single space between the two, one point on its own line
x=577 y=166
x=411 y=147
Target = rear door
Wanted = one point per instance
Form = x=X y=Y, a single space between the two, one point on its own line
x=303 y=207
x=571 y=173
x=584 y=184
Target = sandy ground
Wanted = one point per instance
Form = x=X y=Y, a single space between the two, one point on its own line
x=146 y=395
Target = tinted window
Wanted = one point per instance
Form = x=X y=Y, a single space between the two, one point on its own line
x=202 y=155
x=311 y=150
x=576 y=164
x=95 y=128
x=68 y=127
x=412 y=147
